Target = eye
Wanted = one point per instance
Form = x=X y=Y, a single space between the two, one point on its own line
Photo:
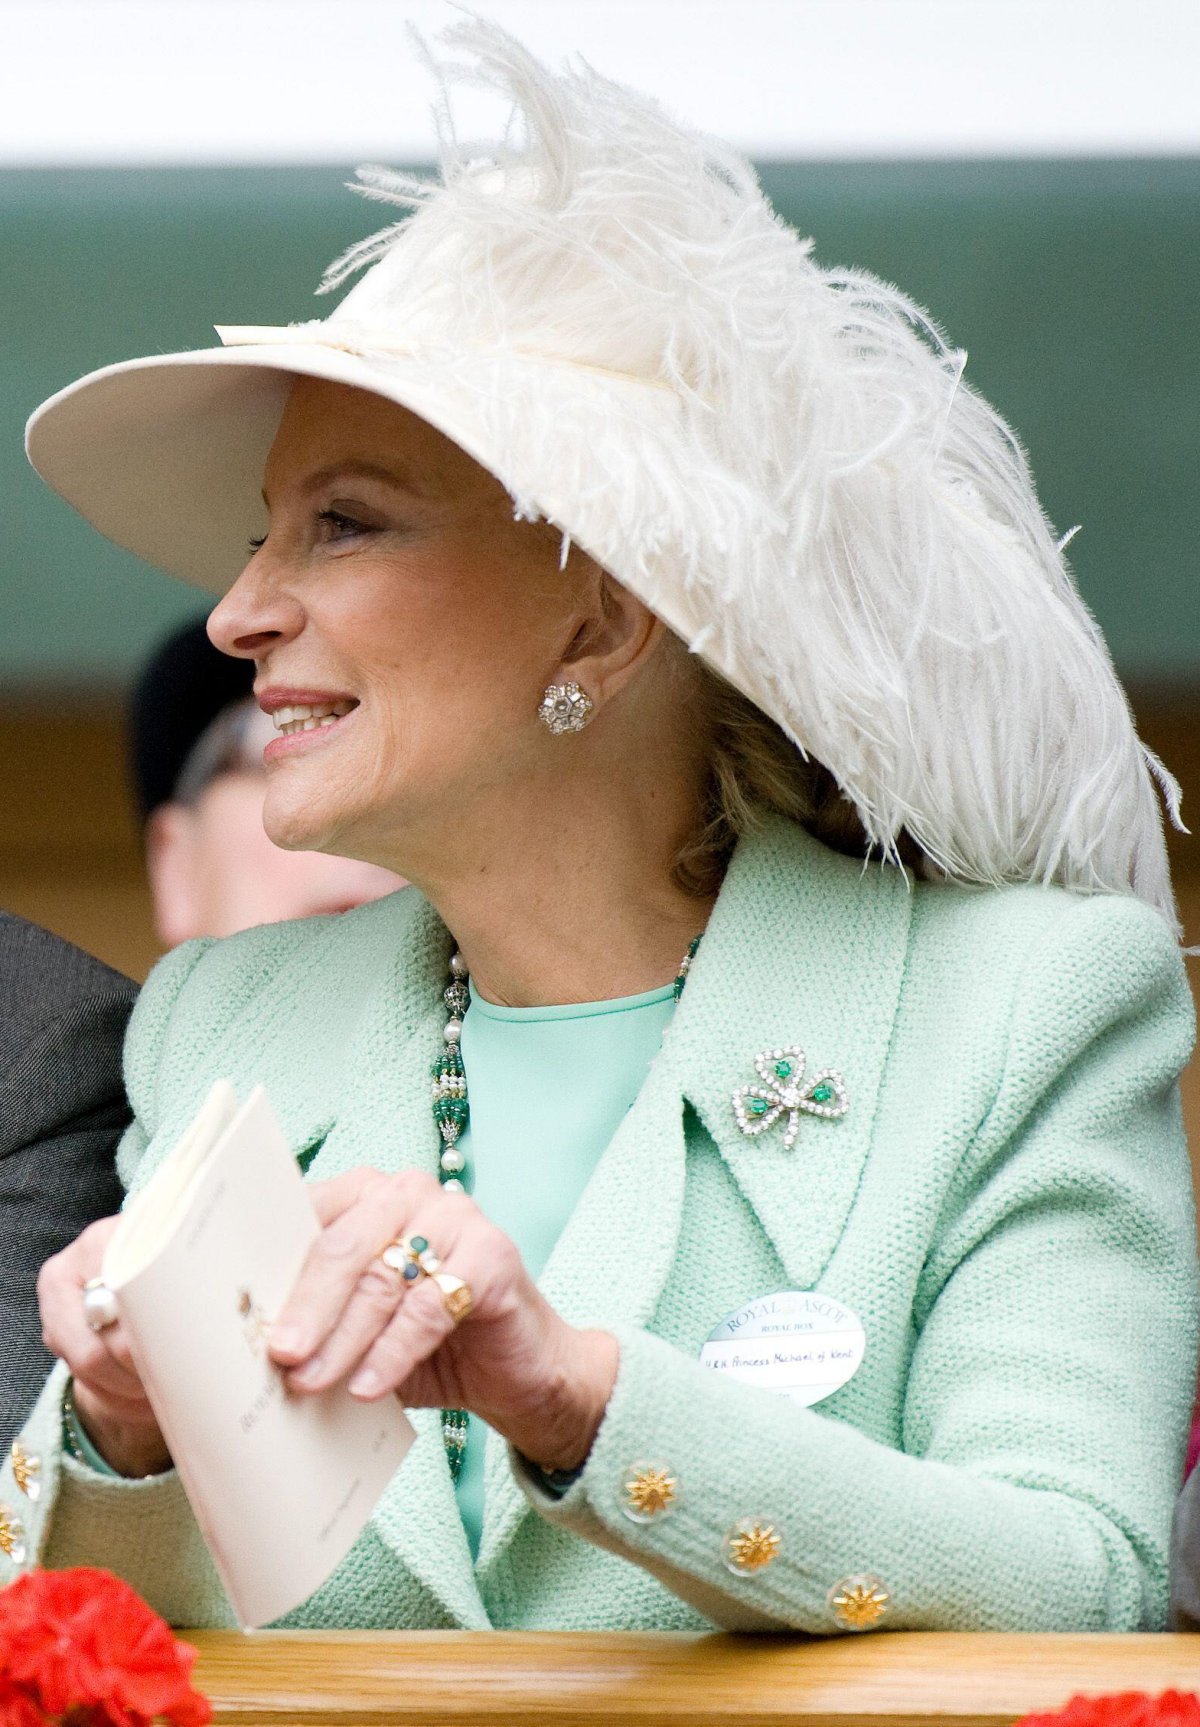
x=343 y=526
x=256 y=545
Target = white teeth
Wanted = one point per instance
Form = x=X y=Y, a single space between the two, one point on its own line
x=301 y=717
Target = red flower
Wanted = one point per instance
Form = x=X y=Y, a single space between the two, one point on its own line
x=1129 y=1709
x=17 y=1709
x=83 y=1643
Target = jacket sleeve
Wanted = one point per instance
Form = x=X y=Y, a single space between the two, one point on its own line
x=62 y=1109
x=1052 y=1369
x=145 y=1050
x=143 y=1530
x=64 y=1513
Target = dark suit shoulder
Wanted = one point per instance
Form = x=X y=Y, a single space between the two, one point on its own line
x=49 y=988
x=43 y=974
x=62 y=1111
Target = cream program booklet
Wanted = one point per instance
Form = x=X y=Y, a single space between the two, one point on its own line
x=202 y=1259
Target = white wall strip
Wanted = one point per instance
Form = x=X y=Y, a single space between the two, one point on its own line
x=169 y=81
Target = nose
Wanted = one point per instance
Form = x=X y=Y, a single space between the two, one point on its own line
x=256 y=615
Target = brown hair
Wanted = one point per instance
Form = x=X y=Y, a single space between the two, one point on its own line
x=756 y=770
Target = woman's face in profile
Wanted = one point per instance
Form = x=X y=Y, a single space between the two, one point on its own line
x=396 y=597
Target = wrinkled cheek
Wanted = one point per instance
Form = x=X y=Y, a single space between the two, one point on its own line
x=362 y=790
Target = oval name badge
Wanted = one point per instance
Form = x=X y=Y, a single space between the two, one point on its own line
x=800 y=1343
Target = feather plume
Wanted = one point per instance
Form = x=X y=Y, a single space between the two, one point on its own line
x=794 y=472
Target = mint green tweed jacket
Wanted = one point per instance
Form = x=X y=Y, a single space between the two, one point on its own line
x=1006 y=1206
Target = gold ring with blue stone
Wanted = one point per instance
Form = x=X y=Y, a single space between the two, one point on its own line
x=411 y=1256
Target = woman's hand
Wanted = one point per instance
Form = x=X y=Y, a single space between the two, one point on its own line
x=107 y=1393
x=512 y=1361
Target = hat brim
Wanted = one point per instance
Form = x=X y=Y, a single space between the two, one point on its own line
x=165 y=455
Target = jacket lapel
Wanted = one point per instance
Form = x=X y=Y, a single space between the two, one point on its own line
x=418 y=1519
x=610 y=1264
x=383 y=1114
x=384 y=1120
x=805 y=948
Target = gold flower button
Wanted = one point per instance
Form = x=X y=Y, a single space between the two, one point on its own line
x=648 y=1492
x=751 y=1546
x=27 y=1471
x=859 y=1603
x=12 y=1536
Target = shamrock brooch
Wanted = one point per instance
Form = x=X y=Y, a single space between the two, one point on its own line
x=783 y=1092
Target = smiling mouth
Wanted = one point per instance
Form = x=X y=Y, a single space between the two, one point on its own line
x=303 y=718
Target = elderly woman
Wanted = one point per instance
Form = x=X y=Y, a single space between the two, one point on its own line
x=627 y=582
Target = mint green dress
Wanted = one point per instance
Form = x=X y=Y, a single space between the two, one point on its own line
x=1006 y=1206
x=548 y=1088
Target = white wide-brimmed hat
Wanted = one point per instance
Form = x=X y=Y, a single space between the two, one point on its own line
x=781 y=460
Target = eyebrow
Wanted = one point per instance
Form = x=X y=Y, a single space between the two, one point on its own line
x=353 y=469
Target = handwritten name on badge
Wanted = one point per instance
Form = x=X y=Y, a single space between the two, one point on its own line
x=800 y=1343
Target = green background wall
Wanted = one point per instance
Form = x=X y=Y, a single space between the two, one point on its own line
x=1075 y=286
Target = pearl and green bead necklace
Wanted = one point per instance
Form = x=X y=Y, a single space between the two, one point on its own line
x=451 y=1112
x=450 y=1108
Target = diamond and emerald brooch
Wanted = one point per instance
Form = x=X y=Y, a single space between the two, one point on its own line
x=784 y=1091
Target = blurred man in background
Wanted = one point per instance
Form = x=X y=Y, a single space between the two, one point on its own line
x=197 y=738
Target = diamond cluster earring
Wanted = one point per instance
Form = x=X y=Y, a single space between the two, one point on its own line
x=565 y=708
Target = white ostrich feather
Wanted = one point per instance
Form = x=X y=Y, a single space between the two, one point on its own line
x=829 y=513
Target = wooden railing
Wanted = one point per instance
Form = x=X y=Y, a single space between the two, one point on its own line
x=567 y=1679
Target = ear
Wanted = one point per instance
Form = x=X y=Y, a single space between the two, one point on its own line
x=617 y=638
x=171 y=865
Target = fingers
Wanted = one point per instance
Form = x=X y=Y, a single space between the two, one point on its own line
x=420 y=1326
x=332 y=1197
x=343 y=1298
x=373 y=1304
x=102 y=1356
x=106 y=1381
x=483 y=1258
